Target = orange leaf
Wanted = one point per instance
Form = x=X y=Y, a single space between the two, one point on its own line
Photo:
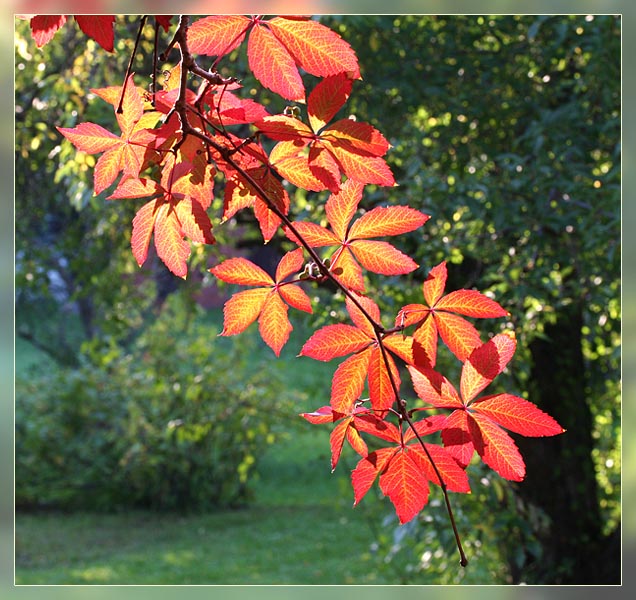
x=143 y=226
x=273 y=324
x=458 y=334
x=296 y=297
x=518 y=415
x=332 y=341
x=390 y=220
x=172 y=249
x=382 y=257
x=326 y=99
x=273 y=66
x=217 y=35
x=496 y=447
x=316 y=48
x=362 y=168
x=348 y=381
x=341 y=207
x=471 y=303
x=241 y=271
x=242 y=309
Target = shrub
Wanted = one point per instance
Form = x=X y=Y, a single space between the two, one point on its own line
x=147 y=427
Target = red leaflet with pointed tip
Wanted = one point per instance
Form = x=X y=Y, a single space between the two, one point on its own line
x=217 y=35
x=496 y=448
x=376 y=256
x=273 y=66
x=266 y=302
x=381 y=392
x=99 y=28
x=484 y=364
x=44 y=27
x=327 y=98
x=441 y=316
x=476 y=424
x=405 y=471
x=124 y=154
x=332 y=341
x=518 y=415
x=316 y=48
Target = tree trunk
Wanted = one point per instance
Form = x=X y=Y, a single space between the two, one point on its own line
x=560 y=476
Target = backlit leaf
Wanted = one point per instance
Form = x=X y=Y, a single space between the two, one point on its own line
x=316 y=48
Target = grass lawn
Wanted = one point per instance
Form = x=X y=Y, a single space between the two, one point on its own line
x=299 y=529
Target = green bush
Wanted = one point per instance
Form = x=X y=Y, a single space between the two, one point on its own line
x=177 y=421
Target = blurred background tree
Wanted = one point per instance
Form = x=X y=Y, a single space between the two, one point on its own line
x=506 y=129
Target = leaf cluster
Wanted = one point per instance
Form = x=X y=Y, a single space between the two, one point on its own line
x=173 y=148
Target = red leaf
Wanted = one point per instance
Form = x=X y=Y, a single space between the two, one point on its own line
x=44 y=27
x=273 y=324
x=405 y=484
x=518 y=415
x=457 y=438
x=316 y=48
x=99 y=28
x=217 y=35
x=332 y=341
x=381 y=390
x=382 y=257
x=452 y=474
x=484 y=364
x=357 y=137
x=348 y=381
x=434 y=388
x=366 y=471
x=390 y=220
x=322 y=415
x=326 y=99
x=272 y=65
x=242 y=309
x=442 y=316
x=241 y=271
x=496 y=448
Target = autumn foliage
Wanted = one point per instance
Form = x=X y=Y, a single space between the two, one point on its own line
x=176 y=147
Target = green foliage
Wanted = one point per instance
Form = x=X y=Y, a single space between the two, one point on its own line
x=177 y=422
